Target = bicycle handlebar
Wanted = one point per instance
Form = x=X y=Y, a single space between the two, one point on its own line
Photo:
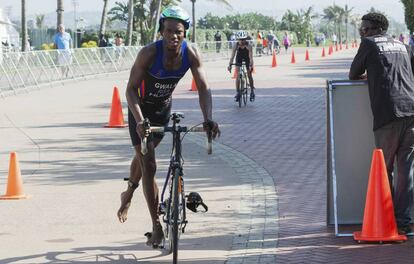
x=184 y=129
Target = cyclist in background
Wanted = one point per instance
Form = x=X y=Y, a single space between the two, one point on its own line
x=155 y=74
x=244 y=53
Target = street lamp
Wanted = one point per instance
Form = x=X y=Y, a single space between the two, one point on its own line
x=75 y=5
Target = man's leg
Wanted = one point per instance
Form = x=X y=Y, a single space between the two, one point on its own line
x=135 y=176
x=151 y=193
x=386 y=138
x=252 y=94
x=237 y=97
x=403 y=199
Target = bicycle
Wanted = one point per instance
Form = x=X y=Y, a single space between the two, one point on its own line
x=243 y=84
x=173 y=206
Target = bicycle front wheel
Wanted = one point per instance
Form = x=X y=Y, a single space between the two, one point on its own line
x=244 y=91
x=175 y=216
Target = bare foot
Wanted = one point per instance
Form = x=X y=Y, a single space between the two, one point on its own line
x=125 y=203
x=156 y=238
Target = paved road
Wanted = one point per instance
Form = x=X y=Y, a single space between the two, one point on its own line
x=265 y=184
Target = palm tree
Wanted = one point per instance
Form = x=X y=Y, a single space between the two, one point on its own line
x=157 y=17
x=59 y=12
x=347 y=13
x=128 y=41
x=409 y=14
x=225 y=2
x=336 y=15
x=104 y=17
x=24 y=27
x=40 y=19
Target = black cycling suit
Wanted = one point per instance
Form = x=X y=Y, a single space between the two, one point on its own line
x=155 y=92
x=243 y=55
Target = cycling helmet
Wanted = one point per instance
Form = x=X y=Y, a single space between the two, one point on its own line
x=194 y=200
x=175 y=12
x=241 y=35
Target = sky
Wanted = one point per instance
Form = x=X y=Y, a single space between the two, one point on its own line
x=274 y=8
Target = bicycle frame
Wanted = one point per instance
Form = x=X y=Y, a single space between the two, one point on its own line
x=173 y=207
x=242 y=82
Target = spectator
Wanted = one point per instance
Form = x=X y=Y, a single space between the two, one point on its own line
x=270 y=42
x=217 y=39
x=63 y=42
x=334 y=39
x=102 y=44
x=401 y=38
x=286 y=41
x=389 y=70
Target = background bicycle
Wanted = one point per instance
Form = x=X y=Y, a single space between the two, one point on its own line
x=242 y=83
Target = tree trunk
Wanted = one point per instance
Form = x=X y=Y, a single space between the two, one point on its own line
x=59 y=12
x=102 y=29
x=24 y=27
x=130 y=22
x=157 y=17
x=193 y=13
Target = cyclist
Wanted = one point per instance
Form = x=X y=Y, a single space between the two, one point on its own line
x=157 y=69
x=244 y=53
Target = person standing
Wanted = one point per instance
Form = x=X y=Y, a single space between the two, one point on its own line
x=286 y=41
x=62 y=41
x=388 y=64
x=217 y=39
x=158 y=68
x=102 y=44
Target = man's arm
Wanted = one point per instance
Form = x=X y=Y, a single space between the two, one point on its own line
x=204 y=93
x=233 y=53
x=136 y=76
x=358 y=65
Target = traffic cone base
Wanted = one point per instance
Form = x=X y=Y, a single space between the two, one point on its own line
x=379 y=221
x=394 y=238
x=14 y=181
x=116 y=117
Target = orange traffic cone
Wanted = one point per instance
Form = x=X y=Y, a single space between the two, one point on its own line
x=340 y=46
x=274 y=61
x=234 y=74
x=352 y=46
x=116 y=118
x=379 y=221
x=307 y=56
x=293 y=60
x=330 y=50
x=336 y=47
x=323 y=52
x=14 y=181
x=193 y=86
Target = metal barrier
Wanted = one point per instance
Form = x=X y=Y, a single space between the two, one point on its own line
x=22 y=71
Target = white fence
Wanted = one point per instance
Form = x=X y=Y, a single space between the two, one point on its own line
x=21 y=71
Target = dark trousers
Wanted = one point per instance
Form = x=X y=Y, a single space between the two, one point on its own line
x=396 y=140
